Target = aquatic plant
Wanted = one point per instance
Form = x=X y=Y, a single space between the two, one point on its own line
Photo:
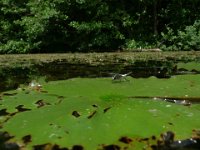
x=97 y=113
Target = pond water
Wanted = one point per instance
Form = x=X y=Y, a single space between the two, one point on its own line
x=12 y=77
x=156 y=108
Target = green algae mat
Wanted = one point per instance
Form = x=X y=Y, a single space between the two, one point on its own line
x=98 y=113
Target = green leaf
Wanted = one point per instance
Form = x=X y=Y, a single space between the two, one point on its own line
x=93 y=113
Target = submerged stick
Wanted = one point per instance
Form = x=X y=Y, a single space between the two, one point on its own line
x=178 y=100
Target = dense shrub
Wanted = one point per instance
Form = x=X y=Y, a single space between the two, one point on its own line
x=187 y=39
x=97 y=25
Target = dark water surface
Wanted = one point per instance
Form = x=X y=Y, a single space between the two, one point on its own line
x=11 y=78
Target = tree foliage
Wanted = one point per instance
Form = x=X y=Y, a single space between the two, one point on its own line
x=186 y=39
x=98 y=25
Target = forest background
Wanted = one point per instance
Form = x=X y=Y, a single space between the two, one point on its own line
x=53 y=26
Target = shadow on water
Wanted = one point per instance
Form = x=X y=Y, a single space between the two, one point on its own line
x=11 y=78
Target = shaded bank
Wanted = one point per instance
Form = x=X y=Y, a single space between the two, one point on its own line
x=20 y=69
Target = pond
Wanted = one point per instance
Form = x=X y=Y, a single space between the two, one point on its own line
x=156 y=107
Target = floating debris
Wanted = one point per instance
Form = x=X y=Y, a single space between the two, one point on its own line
x=76 y=114
x=111 y=147
x=35 y=85
x=181 y=102
x=5 y=144
x=21 y=108
x=26 y=139
x=48 y=146
x=185 y=101
x=167 y=142
x=106 y=109
x=77 y=147
x=41 y=103
x=3 y=112
x=94 y=105
x=9 y=94
x=92 y=114
x=125 y=140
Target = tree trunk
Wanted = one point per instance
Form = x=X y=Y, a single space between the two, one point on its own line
x=155 y=17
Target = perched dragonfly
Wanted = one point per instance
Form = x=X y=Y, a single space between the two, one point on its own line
x=120 y=77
